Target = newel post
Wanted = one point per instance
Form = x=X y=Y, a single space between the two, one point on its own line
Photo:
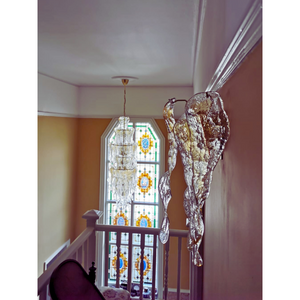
x=91 y=217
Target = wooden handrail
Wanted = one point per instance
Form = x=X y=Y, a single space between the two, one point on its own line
x=133 y=229
x=88 y=237
x=44 y=279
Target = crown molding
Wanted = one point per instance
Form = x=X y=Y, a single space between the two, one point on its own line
x=56 y=114
x=201 y=10
x=64 y=115
x=246 y=37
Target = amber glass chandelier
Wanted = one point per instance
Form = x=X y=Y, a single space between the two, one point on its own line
x=122 y=157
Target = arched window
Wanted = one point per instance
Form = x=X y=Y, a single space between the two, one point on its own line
x=145 y=210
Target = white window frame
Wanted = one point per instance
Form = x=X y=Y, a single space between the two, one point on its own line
x=103 y=191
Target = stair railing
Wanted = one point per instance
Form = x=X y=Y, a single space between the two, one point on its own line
x=83 y=249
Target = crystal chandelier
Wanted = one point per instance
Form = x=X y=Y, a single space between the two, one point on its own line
x=122 y=156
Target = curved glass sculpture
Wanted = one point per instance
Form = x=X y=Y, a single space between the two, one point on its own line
x=122 y=156
x=200 y=136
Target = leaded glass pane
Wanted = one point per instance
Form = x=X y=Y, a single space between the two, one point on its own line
x=142 y=215
x=145 y=216
x=118 y=217
x=148 y=176
x=147 y=264
x=136 y=239
x=112 y=272
x=148 y=142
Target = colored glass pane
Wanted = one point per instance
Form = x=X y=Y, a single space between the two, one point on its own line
x=114 y=216
x=112 y=272
x=146 y=264
x=146 y=189
x=145 y=216
x=148 y=142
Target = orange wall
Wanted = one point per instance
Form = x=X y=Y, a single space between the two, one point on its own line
x=69 y=185
x=88 y=172
x=233 y=212
x=57 y=160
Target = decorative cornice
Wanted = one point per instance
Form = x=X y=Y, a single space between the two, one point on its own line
x=248 y=34
x=202 y=9
x=56 y=114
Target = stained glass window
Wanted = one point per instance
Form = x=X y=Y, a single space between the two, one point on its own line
x=144 y=210
x=148 y=142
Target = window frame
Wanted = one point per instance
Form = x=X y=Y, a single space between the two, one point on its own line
x=103 y=192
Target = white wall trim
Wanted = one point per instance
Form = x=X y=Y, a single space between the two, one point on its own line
x=199 y=37
x=53 y=256
x=251 y=28
x=58 y=79
x=55 y=114
x=181 y=290
x=114 y=116
x=63 y=115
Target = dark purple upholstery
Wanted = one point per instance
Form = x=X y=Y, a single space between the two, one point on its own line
x=69 y=281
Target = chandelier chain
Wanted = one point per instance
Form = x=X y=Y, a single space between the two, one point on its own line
x=124 y=99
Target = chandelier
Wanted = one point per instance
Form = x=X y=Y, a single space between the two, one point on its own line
x=122 y=156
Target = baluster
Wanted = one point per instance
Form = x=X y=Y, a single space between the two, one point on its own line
x=91 y=249
x=167 y=247
x=118 y=259
x=74 y=255
x=79 y=255
x=129 y=262
x=106 y=257
x=92 y=273
x=154 y=266
x=192 y=282
x=91 y=217
x=142 y=265
x=85 y=247
x=178 y=268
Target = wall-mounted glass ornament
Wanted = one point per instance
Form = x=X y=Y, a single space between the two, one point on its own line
x=199 y=135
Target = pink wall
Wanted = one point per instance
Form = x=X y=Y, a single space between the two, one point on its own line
x=233 y=212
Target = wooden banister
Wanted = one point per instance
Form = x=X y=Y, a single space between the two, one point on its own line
x=85 y=242
x=83 y=249
x=44 y=279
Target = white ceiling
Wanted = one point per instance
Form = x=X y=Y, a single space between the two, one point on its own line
x=86 y=43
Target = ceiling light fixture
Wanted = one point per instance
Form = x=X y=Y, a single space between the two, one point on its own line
x=122 y=156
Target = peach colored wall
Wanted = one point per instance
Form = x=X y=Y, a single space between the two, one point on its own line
x=57 y=159
x=233 y=212
x=88 y=172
